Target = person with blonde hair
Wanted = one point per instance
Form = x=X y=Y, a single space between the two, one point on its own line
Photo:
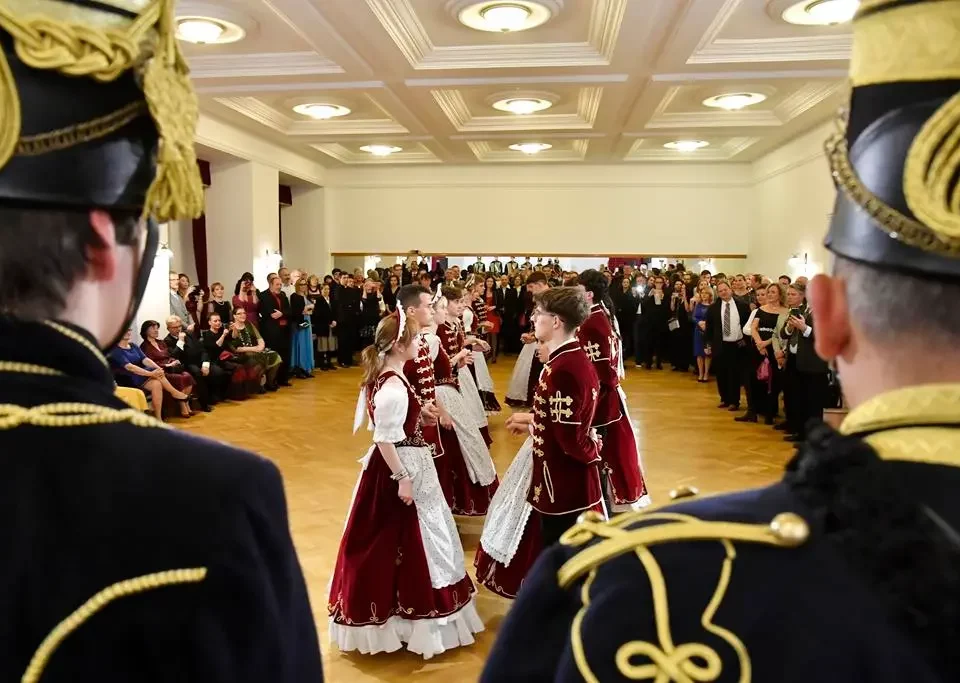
x=399 y=578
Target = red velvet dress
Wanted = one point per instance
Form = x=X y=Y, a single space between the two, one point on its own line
x=172 y=369
x=452 y=340
x=479 y=370
x=473 y=474
x=399 y=576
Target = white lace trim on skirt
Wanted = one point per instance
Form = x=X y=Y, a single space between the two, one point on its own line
x=484 y=380
x=471 y=396
x=509 y=510
x=476 y=455
x=520 y=379
x=425 y=637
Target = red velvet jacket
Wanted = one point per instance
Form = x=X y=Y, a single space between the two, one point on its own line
x=599 y=342
x=566 y=476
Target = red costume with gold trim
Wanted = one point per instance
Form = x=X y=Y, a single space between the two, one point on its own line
x=420 y=374
x=619 y=455
x=452 y=340
x=566 y=472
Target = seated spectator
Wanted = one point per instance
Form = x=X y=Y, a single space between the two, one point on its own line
x=131 y=368
x=252 y=352
x=154 y=349
x=215 y=342
x=211 y=381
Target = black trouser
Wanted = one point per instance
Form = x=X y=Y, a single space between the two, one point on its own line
x=792 y=396
x=346 y=342
x=278 y=339
x=641 y=340
x=552 y=527
x=211 y=388
x=728 y=365
x=658 y=343
x=811 y=397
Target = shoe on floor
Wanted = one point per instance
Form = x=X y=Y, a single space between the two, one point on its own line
x=724 y=405
x=782 y=427
x=734 y=408
x=746 y=417
x=793 y=438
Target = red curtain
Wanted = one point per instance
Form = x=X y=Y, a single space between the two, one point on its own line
x=200 y=230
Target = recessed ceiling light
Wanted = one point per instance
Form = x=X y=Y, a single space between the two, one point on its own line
x=381 y=150
x=530 y=147
x=321 y=111
x=504 y=17
x=687 y=145
x=522 y=105
x=821 y=12
x=208 y=31
x=734 y=100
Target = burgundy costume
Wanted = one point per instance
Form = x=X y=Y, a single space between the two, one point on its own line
x=399 y=575
x=420 y=375
x=621 y=462
x=452 y=339
x=555 y=472
x=490 y=402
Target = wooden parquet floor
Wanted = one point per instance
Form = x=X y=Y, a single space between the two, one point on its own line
x=306 y=430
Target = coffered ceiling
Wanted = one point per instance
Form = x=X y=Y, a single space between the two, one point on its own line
x=622 y=78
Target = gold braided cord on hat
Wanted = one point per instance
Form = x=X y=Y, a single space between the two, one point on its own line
x=104 y=54
x=931 y=173
x=900 y=227
x=915 y=42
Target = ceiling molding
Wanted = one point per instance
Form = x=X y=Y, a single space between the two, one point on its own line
x=259 y=88
x=805 y=98
x=264 y=114
x=399 y=19
x=573 y=79
x=651 y=149
x=418 y=155
x=456 y=109
x=813 y=74
x=712 y=49
x=263 y=64
x=483 y=151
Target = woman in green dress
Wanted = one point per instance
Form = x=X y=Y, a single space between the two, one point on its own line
x=251 y=351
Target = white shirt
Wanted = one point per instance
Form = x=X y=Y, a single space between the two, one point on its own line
x=736 y=329
x=289 y=290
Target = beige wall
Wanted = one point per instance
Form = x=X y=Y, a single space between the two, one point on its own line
x=793 y=198
x=650 y=209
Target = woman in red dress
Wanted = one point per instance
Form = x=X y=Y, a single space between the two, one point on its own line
x=473 y=479
x=492 y=300
x=154 y=349
x=399 y=577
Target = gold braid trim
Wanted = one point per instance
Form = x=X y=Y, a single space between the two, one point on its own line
x=72 y=415
x=71 y=136
x=666 y=661
x=79 y=338
x=122 y=589
x=899 y=227
x=104 y=54
x=29 y=369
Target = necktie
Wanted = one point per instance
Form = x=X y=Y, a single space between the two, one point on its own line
x=726 y=319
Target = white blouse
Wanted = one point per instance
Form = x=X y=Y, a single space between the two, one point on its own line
x=468 y=320
x=390 y=411
x=433 y=343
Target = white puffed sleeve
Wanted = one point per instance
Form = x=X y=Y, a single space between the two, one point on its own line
x=433 y=343
x=390 y=412
x=468 y=320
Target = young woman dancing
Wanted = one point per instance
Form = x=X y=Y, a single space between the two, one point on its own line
x=399 y=577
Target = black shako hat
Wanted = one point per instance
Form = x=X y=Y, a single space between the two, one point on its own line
x=897 y=162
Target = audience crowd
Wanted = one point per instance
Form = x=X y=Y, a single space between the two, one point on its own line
x=753 y=335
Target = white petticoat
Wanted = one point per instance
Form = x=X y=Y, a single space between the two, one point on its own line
x=471 y=396
x=509 y=510
x=476 y=455
x=484 y=380
x=520 y=379
x=425 y=637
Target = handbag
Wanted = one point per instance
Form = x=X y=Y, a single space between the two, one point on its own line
x=763 y=370
x=673 y=324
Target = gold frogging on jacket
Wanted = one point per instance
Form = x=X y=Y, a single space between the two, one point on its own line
x=91 y=43
x=665 y=660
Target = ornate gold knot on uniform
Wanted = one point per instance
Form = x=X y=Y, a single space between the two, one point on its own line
x=592 y=350
x=538 y=440
x=537 y=398
x=683 y=491
x=560 y=407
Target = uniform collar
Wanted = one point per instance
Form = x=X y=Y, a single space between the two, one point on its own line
x=595 y=308
x=917 y=424
x=53 y=345
x=565 y=347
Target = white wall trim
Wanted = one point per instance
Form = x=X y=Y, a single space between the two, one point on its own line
x=812 y=156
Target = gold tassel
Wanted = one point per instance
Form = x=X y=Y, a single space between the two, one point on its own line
x=177 y=190
x=9 y=112
x=931 y=176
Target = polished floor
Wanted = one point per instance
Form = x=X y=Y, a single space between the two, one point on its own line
x=684 y=439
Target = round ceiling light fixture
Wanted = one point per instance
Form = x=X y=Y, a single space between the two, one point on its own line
x=821 y=12
x=321 y=111
x=504 y=17
x=530 y=147
x=522 y=105
x=734 y=100
x=208 y=31
x=381 y=150
x=687 y=145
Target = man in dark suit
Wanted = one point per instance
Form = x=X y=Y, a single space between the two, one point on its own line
x=131 y=552
x=805 y=386
x=275 y=325
x=211 y=380
x=348 y=321
x=723 y=330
